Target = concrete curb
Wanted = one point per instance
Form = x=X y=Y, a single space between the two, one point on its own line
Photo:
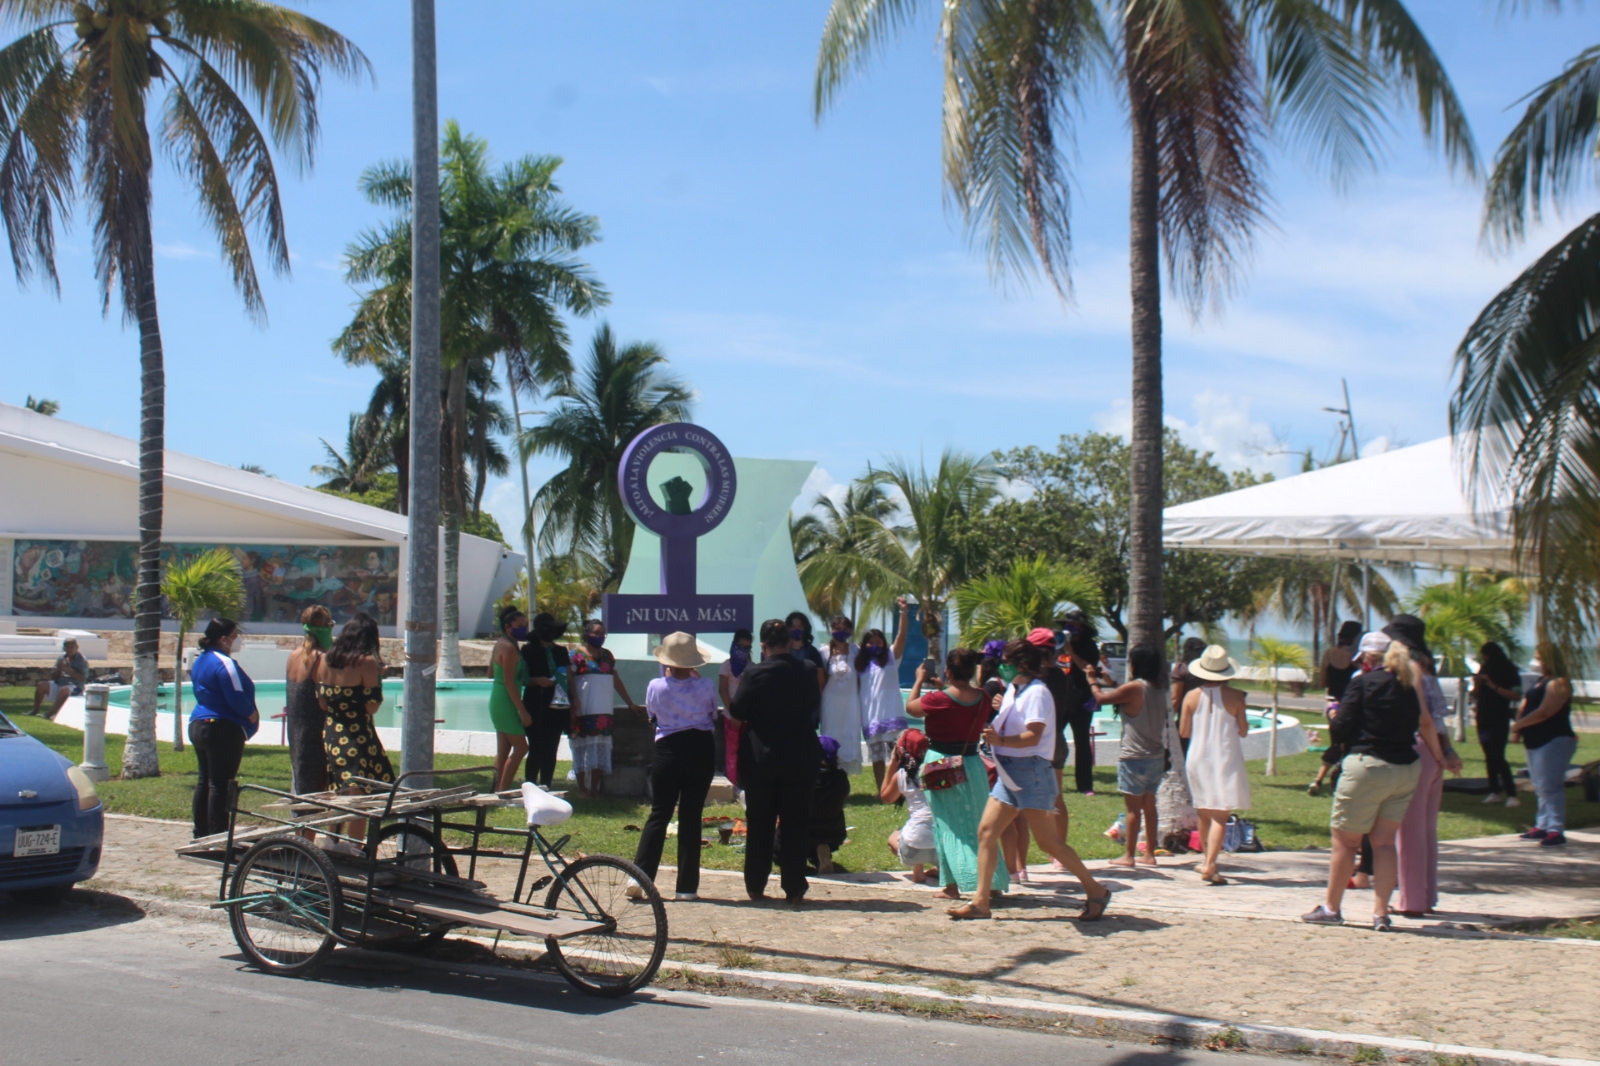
x=1174 y=1029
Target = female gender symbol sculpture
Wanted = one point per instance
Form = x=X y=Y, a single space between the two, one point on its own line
x=680 y=607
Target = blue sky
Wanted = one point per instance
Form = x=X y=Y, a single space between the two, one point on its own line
x=805 y=277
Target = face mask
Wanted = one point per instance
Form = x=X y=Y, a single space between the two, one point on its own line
x=594 y=641
x=739 y=655
x=1008 y=673
x=877 y=653
x=841 y=635
x=519 y=632
x=797 y=634
x=323 y=635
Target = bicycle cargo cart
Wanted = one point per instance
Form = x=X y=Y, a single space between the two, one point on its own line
x=390 y=877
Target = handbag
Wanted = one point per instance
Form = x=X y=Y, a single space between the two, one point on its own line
x=940 y=774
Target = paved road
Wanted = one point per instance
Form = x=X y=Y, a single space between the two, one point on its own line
x=102 y=986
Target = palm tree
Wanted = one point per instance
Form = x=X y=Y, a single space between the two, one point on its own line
x=487 y=422
x=1310 y=591
x=389 y=407
x=509 y=268
x=838 y=529
x=1275 y=656
x=1204 y=82
x=209 y=582
x=1031 y=593
x=620 y=393
x=366 y=454
x=41 y=405
x=1527 y=376
x=917 y=548
x=1462 y=615
x=76 y=89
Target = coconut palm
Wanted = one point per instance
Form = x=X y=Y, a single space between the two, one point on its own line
x=77 y=88
x=1205 y=83
x=366 y=454
x=621 y=392
x=1276 y=656
x=508 y=245
x=838 y=529
x=1462 y=615
x=487 y=422
x=389 y=406
x=209 y=582
x=1527 y=396
x=1310 y=591
x=1030 y=593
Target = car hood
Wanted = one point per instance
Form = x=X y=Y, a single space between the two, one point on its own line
x=26 y=765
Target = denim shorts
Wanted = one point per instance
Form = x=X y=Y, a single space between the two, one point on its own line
x=1139 y=777
x=1035 y=780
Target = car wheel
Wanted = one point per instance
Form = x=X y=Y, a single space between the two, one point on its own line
x=46 y=895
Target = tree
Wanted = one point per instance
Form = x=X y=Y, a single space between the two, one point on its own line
x=507 y=255
x=366 y=454
x=1308 y=591
x=1275 y=656
x=209 y=582
x=76 y=90
x=1527 y=373
x=619 y=394
x=1462 y=615
x=1031 y=593
x=389 y=406
x=1076 y=508
x=1204 y=83
x=838 y=529
x=41 y=405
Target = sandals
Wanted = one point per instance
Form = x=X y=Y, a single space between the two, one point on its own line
x=967 y=911
x=1094 y=909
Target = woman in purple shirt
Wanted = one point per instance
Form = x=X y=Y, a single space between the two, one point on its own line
x=683 y=707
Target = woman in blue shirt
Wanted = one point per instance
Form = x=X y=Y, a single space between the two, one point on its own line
x=224 y=717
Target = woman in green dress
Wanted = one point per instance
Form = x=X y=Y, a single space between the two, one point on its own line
x=511 y=719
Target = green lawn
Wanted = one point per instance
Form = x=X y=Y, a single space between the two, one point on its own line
x=1285 y=815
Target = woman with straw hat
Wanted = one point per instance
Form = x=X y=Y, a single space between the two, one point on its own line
x=683 y=707
x=1214 y=722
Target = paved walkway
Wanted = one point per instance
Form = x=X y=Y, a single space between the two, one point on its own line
x=1170 y=943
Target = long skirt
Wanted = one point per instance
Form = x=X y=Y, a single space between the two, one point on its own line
x=1418 y=839
x=956 y=814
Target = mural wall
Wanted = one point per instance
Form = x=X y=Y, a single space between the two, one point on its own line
x=95 y=579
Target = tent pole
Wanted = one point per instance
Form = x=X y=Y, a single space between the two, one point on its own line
x=1366 y=596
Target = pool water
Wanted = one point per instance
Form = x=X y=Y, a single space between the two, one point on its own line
x=462 y=704
x=1109 y=722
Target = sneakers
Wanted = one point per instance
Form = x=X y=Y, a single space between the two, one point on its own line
x=635 y=891
x=1323 y=916
x=1533 y=834
x=1554 y=840
x=687 y=897
x=1512 y=801
x=1382 y=924
x=1493 y=797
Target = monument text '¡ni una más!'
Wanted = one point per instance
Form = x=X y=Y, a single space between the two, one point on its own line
x=680 y=606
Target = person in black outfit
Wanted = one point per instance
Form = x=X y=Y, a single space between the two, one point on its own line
x=1495 y=688
x=1080 y=707
x=547 y=663
x=780 y=704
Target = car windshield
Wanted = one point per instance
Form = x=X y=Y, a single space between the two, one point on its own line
x=7 y=729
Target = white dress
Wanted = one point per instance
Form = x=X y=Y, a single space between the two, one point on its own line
x=841 y=708
x=1217 y=777
x=883 y=708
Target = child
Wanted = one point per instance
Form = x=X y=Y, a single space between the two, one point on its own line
x=913 y=842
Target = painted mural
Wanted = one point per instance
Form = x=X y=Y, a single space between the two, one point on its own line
x=95 y=579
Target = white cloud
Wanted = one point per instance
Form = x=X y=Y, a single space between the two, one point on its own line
x=819 y=483
x=1222 y=425
x=179 y=250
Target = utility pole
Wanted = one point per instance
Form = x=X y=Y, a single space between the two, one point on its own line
x=1347 y=424
x=422 y=569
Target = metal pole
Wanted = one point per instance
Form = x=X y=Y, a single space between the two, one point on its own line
x=1366 y=596
x=1350 y=420
x=422 y=571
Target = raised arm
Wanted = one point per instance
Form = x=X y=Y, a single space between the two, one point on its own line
x=899 y=648
x=1131 y=693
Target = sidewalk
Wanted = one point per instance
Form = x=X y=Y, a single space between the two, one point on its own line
x=1169 y=944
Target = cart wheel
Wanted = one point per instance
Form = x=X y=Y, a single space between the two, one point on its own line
x=289 y=906
x=418 y=847
x=624 y=956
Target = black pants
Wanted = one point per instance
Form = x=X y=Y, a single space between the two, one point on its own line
x=771 y=793
x=218 y=748
x=680 y=775
x=1082 y=751
x=544 y=743
x=1493 y=739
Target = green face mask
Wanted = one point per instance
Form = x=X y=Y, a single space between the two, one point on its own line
x=323 y=635
x=1008 y=673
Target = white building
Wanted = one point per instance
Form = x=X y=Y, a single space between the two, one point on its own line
x=69 y=531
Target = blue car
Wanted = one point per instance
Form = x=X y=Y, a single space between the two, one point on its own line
x=52 y=823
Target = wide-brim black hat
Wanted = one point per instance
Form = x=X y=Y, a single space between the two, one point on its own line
x=1409 y=630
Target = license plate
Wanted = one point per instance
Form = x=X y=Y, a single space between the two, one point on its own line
x=37 y=840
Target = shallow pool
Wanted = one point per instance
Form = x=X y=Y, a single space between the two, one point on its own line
x=462 y=704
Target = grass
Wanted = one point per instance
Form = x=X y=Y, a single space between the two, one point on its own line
x=1286 y=817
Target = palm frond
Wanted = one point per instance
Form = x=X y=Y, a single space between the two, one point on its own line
x=197 y=584
x=854 y=31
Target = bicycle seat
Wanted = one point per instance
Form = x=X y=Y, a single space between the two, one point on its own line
x=543 y=808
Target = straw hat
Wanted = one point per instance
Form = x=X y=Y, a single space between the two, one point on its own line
x=680 y=650
x=1214 y=665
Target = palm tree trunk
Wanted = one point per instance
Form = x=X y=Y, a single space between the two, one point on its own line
x=454 y=471
x=527 y=498
x=1145 y=475
x=1272 y=737
x=139 y=757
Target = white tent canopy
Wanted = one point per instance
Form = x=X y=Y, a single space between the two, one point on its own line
x=1403 y=506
